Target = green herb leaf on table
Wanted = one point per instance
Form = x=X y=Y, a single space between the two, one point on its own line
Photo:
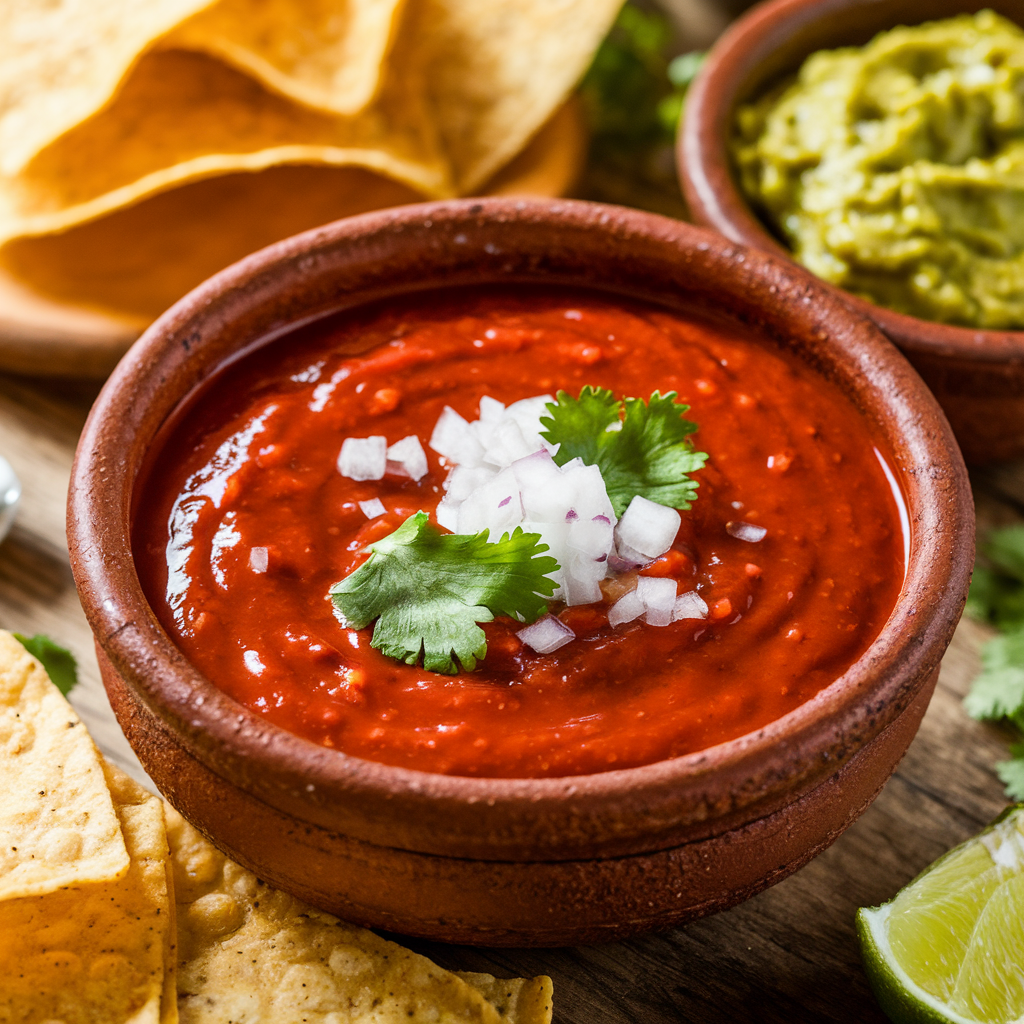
x=428 y=591
x=1011 y=773
x=998 y=692
x=58 y=661
x=997 y=597
x=997 y=590
x=650 y=454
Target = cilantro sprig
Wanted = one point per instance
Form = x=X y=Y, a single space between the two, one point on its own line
x=997 y=597
x=640 y=447
x=429 y=590
x=58 y=661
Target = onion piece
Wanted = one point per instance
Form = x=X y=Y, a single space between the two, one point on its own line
x=658 y=595
x=491 y=410
x=689 y=606
x=363 y=458
x=495 y=507
x=547 y=634
x=372 y=508
x=447 y=515
x=626 y=609
x=616 y=563
x=454 y=438
x=749 y=532
x=407 y=458
x=648 y=527
x=259 y=559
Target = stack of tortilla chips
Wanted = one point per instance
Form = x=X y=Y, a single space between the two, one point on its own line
x=113 y=909
x=145 y=144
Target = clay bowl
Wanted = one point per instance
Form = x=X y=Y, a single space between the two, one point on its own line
x=977 y=376
x=517 y=861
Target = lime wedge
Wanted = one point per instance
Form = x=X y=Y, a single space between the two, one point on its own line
x=950 y=946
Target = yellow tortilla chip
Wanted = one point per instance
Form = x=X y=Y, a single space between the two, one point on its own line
x=494 y=73
x=463 y=87
x=100 y=951
x=60 y=62
x=184 y=116
x=141 y=259
x=517 y=1000
x=57 y=819
x=498 y=70
x=249 y=952
x=323 y=53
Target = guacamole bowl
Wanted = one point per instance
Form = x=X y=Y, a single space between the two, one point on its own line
x=585 y=857
x=976 y=375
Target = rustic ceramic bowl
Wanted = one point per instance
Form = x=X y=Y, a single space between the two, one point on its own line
x=517 y=861
x=977 y=376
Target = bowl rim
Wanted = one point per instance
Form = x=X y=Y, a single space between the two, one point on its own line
x=714 y=198
x=560 y=816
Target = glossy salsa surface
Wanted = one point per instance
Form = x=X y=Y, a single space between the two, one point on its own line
x=250 y=463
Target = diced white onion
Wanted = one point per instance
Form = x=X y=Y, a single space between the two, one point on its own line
x=648 y=527
x=626 y=609
x=591 y=539
x=527 y=414
x=372 y=508
x=408 y=458
x=689 y=606
x=659 y=597
x=746 y=531
x=495 y=507
x=463 y=480
x=363 y=458
x=547 y=634
x=491 y=410
x=447 y=515
x=504 y=443
x=579 y=590
x=258 y=559
x=455 y=439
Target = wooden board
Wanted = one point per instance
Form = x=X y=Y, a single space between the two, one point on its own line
x=786 y=956
x=41 y=336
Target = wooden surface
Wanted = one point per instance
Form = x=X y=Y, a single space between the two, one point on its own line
x=788 y=955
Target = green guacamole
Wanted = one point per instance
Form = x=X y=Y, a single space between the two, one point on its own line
x=896 y=170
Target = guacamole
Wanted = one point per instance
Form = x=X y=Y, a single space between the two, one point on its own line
x=896 y=170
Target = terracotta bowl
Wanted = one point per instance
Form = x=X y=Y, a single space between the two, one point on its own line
x=977 y=376
x=517 y=861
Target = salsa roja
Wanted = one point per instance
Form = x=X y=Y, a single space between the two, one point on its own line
x=242 y=523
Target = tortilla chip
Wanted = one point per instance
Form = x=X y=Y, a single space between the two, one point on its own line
x=141 y=259
x=517 y=1000
x=184 y=116
x=60 y=62
x=326 y=54
x=460 y=88
x=96 y=952
x=57 y=819
x=250 y=952
x=498 y=70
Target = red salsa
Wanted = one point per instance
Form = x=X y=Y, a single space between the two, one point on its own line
x=244 y=522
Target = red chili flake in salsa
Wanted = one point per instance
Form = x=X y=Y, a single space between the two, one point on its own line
x=244 y=523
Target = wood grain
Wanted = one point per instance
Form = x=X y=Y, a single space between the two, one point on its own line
x=788 y=955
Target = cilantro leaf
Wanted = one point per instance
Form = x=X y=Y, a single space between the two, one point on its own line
x=1011 y=773
x=996 y=693
x=997 y=596
x=58 y=661
x=650 y=454
x=997 y=589
x=428 y=591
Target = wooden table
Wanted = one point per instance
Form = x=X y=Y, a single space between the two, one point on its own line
x=788 y=955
